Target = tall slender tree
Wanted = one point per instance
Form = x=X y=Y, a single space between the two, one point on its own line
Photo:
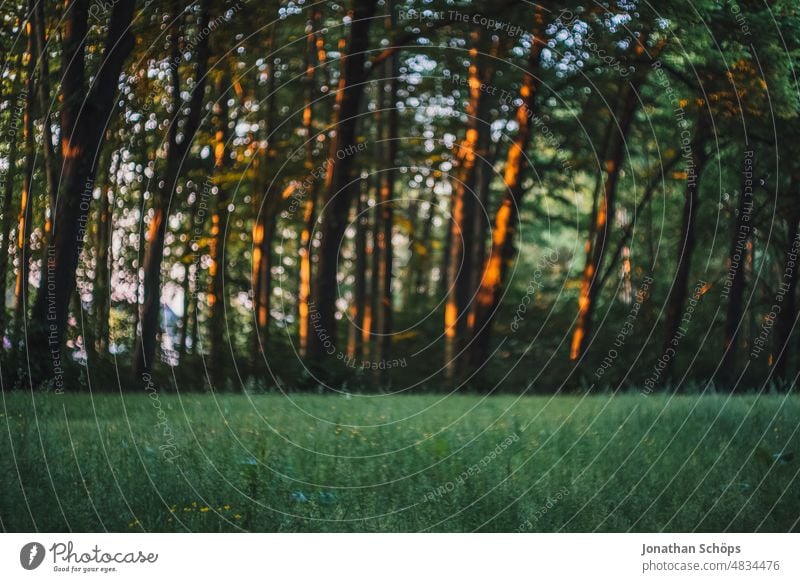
x=85 y=112
x=469 y=154
x=495 y=269
x=179 y=140
x=341 y=158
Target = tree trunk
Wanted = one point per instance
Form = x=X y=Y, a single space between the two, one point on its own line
x=358 y=307
x=266 y=215
x=459 y=271
x=372 y=307
x=786 y=319
x=84 y=116
x=496 y=266
x=9 y=178
x=151 y=306
x=102 y=283
x=485 y=171
x=190 y=285
x=219 y=220
x=420 y=273
x=315 y=58
x=386 y=200
x=680 y=283
x=735 y=282
x=596 y=245
x=339 y=171
x=26 y=203
x=447 y=245
x=51 y=161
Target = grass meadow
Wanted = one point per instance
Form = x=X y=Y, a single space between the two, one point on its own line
x=291 y=463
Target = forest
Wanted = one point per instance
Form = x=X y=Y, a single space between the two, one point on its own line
x=399 y=265
x=399 y=195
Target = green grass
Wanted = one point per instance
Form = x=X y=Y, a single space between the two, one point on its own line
x=273 y=463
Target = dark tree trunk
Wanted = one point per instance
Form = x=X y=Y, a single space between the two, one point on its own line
x=102 y=283
x=51 y=161
x=190 y=279
x=481 y=228
x=145 y=351
x=735 y=282
x=26 y=202
x=358 y=307
x=84 y=116
x=686 y=246
x=219 y=225
x=266 y=216
x=339 y=172
x=603 y=219
x=786 y=319
x=421 y=267
x=447 y=245
x=386 y=201
x=9 y=178
x=372 y=306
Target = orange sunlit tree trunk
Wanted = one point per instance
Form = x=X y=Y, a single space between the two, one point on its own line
x=459 y=265
x=266 y=208
x=495 y=268
x=603 y=216
x=26 y=203
x=315 y=58
x=216 y=251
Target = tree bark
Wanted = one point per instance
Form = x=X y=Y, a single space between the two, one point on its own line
x=358 y=306
x=786 y=319
x=421 y=267
x=9 y=178
x=459 y=267
x=502 y=251
x=603 y=219
x=339 y=171
x=680 y=283
x=266 y=215
x=736 y=282
x=43 y=93
x=219 y=220
x=151 y=307
x=84 y=116
x=102 y=283
x=190 y=278
x=315 y=58
x=26 y=204
x=386 y=199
